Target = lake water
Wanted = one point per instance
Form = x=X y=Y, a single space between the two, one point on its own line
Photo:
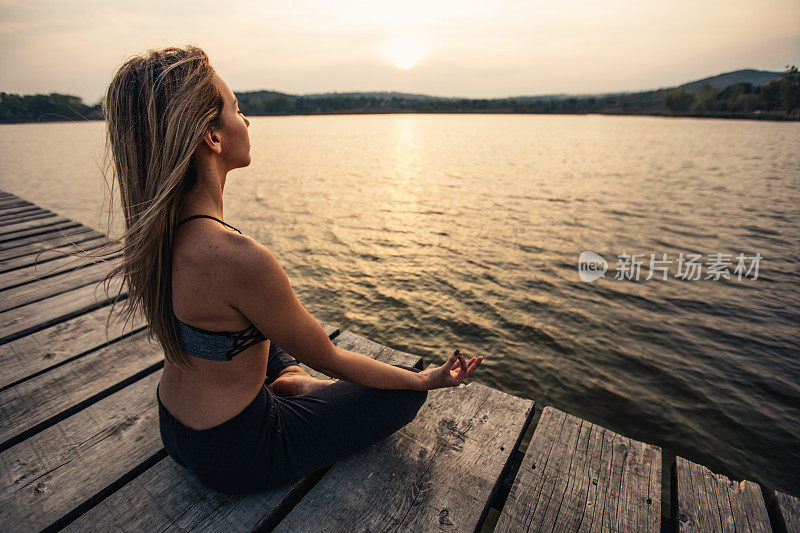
x=427 y=232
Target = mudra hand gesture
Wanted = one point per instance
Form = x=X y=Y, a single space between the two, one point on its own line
x=451 y=373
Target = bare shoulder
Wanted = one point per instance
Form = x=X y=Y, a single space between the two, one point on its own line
x=210 y=249
x=243 y=256
x=248 y=269
x=217 y=263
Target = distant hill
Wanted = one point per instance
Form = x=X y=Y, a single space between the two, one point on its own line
x=377 y=95
x=720 y=81
x=563 y=96
x=746 y=93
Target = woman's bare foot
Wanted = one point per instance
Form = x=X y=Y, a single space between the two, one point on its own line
x=295 y=381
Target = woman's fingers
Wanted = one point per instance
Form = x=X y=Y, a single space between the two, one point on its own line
x=458 y=368
x=473 y=365
x=451 y=360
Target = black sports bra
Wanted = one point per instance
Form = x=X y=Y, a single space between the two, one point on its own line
x=215 y=345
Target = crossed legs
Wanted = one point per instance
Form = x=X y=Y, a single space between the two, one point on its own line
x=318 y=428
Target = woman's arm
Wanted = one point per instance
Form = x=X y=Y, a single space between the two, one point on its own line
x=260 y=289
x=358 y=368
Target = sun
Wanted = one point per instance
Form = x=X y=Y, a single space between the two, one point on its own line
x=406 y=51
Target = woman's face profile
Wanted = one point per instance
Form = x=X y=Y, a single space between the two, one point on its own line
x=234 y=133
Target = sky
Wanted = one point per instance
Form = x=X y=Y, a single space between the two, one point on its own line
x=489 y=49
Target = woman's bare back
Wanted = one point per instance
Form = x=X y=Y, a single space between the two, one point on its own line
x=214 y=391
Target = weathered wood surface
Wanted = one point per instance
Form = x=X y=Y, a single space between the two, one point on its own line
x=34 y=401
x=169 y=497
x=438 y=473
x=42 y=252
x=9 y=240
x=577 y=476
x=11 y=203
x=9 y=249
x=54 y=471
x=22 y=227
x=712 y=502
x=41 y=271
x=56 y=344
x=39 y=315
x=789 y=509
x=22 y=210
x=24 y=216
x=53 y=285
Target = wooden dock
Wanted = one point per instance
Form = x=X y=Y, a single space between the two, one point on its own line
x=80 y=448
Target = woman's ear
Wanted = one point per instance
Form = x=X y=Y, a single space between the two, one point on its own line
x=212 y=140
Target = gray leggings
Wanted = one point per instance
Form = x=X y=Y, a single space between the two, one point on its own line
x=276 y=440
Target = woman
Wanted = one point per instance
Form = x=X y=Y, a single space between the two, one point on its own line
x=234 y=406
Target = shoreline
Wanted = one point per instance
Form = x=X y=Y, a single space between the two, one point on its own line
x=765 y=116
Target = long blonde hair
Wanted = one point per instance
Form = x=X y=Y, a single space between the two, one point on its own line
x=157 y=108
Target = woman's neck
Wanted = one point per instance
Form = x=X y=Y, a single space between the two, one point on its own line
x=204 y=199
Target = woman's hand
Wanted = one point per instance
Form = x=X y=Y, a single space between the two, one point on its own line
x=451 y=373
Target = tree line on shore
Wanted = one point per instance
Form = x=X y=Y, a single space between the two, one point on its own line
x=778 y=99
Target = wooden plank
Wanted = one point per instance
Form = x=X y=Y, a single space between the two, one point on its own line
x=61 y=232
x=54 y=345
x=9 y=230
x=576 y=475
x=712 y=502
x=42 y=258
x=22 y=213
x=54 y=471
x=10 y=240
x=34 y=401
x=789 y=509
x=39 y=315
x=437 y=473
x=61 y=283
x=347 y=340
x=168 y=497
x=28 y=254
x=11 y=203
x=61 y=264
x=24 y=217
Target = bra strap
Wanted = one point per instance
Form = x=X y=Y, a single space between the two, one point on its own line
x=187 y=219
